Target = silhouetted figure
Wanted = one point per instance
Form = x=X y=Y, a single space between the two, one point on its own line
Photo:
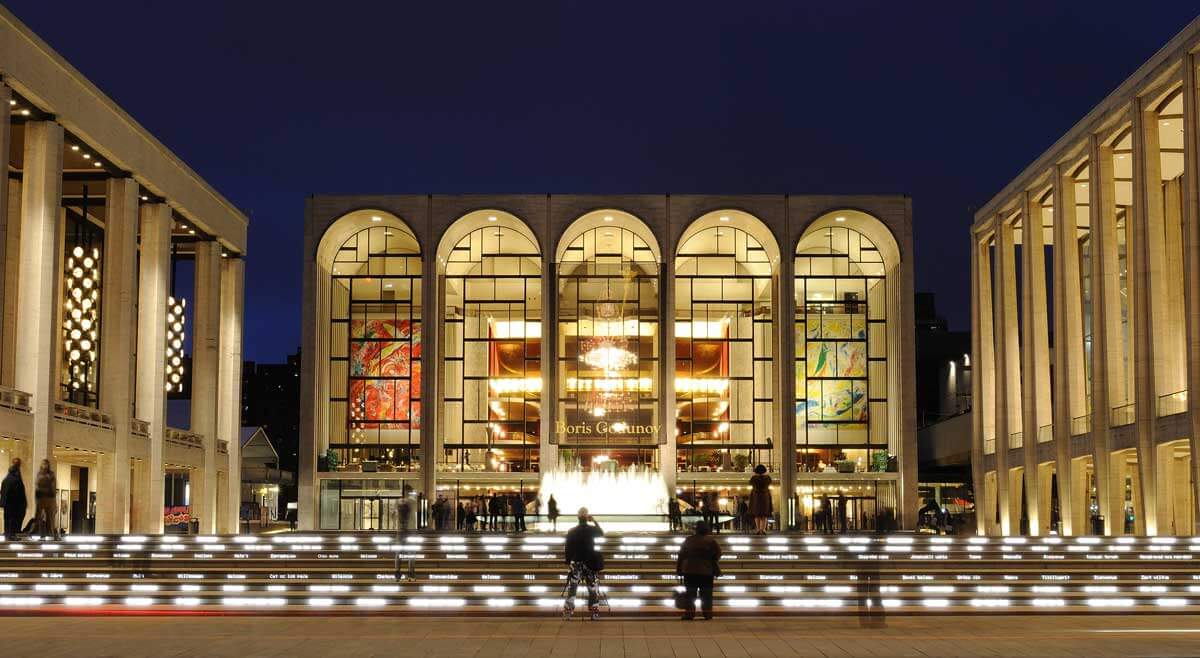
x=13 y=500
x=698 y=564
x=760 y=499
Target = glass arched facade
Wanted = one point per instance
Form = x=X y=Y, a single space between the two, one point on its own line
x=375 y=350
x=608 y=350
x=723 y=351
x=491 y=369
x=842 y=383
x=589 y=365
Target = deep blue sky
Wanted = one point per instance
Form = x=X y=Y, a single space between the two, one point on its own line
x=273 y=101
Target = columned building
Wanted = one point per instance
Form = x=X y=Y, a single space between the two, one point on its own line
x=1086 y=320
x=460 y=346
x=96 y=216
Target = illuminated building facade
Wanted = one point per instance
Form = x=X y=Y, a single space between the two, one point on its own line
x=96 y=216
x=458 y=346
x=1085 y=309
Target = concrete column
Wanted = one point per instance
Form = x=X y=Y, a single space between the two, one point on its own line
x=229 y=407
x=1070 y=399
x=1008 y=366
x=1035 y=356
x=38 y=296
x=1191 y=236
x=666 y=379
x=1147 y=302
x=976 y=393
x=206 y=351
x=117 y=347
x=9 y=235
x=12 y=267
x=984 y=370
x=431 y=313
x=1107 y=369
x=547 y=444
x=785 y=371
x=154 y=281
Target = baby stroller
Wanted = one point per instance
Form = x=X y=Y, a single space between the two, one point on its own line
x=580 y=572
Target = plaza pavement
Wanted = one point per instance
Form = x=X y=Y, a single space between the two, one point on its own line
x=1127 y=636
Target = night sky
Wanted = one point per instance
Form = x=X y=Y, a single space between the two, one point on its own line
x=272 y=101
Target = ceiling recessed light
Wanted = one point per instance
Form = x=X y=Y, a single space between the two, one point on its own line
x=192 y=231
x=224 y=255
x=145 y=198
x=839 y=219
x=74 y=147
x=12 y=102
x=25 y=113
x=87 y=156
x=376 y=218
x=608 y=218
x=724 y=218
x=491 y=218
x=96 y=163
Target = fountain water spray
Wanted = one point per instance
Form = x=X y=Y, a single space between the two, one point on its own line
x=626 y=492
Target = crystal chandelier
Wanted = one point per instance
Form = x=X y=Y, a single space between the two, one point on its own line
x=608 y=352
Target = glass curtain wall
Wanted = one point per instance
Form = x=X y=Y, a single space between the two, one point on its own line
x=375 y=351
x=491 y=376
x=608 y=315
x=841 y=353
x=723 y=351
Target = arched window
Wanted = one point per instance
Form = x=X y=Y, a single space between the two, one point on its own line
x=841 y=350
x=491 y=374
x=724 y=355
x=375 y=348
x=608 y=317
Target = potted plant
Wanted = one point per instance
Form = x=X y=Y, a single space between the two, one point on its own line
x=844 y=466
x=741 y=462
x=331 y=459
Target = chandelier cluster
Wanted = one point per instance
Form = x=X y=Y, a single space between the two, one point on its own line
x=175 y=322
x=82 y=317
x=612 y=355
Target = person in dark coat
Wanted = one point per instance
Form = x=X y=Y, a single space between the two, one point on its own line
x=584 y=561
x=13 y=500
x=552 y=513
x=674 y=515
x=698 y=564
x=760 y=499
x=496 y=511
x=45 y=496
x=516 y=506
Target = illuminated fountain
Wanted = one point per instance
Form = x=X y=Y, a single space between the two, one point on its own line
x=637 y=495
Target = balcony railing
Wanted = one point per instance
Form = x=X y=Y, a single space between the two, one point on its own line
x=139 y=427
x=1081 y=425
x=1016 y=440
x=184 y=438
x=1172 y=403
x=989 y=445
x=1045 y=434
x=83 y=415
x=1125 y=414
x=11 y=398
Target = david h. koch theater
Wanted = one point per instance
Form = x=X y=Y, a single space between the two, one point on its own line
x=611 y=351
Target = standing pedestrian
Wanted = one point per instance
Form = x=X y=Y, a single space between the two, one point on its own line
x=552 y=513
x=698 y=564
x=45 y=496
x=760 y=499
x=516 y=506
x=13 y=500
x=674 y=518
